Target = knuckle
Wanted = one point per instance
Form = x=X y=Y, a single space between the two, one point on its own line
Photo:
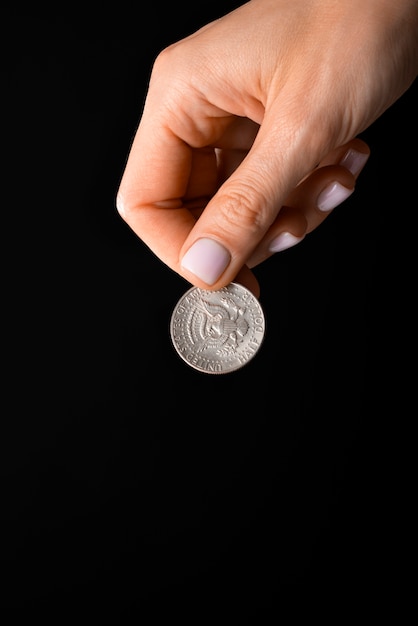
x=245 y=210
x=166 y=59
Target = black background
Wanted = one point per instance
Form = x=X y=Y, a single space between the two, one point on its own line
x=133 y=487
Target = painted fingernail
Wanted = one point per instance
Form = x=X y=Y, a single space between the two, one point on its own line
x=206 y=259
x=332 y=196
x=284 y=241
x=354 y=161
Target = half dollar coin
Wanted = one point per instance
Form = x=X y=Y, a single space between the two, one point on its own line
x=217 y=332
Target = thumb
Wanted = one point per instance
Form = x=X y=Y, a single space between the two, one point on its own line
x=238 y=216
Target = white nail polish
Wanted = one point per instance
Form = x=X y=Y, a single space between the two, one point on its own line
x=332 y=196
x=354 y=161
x=207 y=260
x=283 y=241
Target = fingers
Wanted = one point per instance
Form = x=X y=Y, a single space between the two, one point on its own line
x=306 y=207
x=155 y=180
x=309 y=204
x=232 y=133
x=238 y=216
x=174 y=169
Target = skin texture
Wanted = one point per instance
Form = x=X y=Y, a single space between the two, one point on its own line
x=249 y=119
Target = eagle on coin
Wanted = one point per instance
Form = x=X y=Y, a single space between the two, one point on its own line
x=220 y=327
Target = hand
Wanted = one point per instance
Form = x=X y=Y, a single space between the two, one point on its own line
x=247 y=123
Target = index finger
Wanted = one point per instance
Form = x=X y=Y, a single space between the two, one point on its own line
x=154 y=182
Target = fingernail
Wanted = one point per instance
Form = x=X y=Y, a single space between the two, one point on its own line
x=206 y=259
x=332 y=196
x=354 y=161
x=284 y=241
x=119 y=206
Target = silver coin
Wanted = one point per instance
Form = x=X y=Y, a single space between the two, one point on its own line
x=217 y=331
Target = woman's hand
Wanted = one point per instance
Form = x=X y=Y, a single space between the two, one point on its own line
x=248 y=134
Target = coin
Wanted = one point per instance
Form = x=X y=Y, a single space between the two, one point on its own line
x=217 y=332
